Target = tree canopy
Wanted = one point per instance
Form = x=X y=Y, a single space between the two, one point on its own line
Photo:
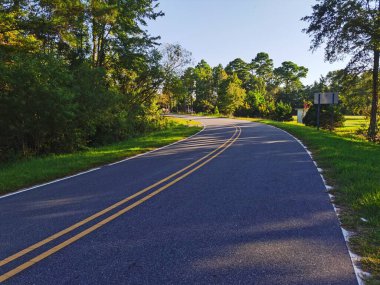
x=350 y=27
x=75 y=73
x=241 y=88
x=79 y=73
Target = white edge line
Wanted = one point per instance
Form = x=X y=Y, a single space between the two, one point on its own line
x=94 y=169
x=47 y=183
x=359 y=273
x=329 y=188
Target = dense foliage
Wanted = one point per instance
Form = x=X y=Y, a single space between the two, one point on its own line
x=330 y=117
x=240 y=88
x=75 y=73
x=80 y=73
x=282 y=112
x=350 y=27
x=258 y=89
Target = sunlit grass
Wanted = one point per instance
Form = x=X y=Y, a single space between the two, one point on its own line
x=40 y=169
x=185 y=121
x=354 y=126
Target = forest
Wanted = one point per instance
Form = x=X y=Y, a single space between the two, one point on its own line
x=257 y=88
x=75 y=74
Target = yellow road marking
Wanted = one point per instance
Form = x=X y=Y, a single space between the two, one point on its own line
x=62 y=245
x=71 y=240
x=98 y=214
x=83 y=222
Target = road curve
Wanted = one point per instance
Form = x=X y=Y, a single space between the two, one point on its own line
x=238 y=203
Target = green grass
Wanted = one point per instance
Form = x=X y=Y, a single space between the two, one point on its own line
x=354 y=127
x=352 y=166
x=24 y=173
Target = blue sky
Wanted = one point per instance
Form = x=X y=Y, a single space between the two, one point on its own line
x=222 y=30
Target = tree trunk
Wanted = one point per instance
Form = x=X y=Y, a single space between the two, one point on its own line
x=101 y=52
x=372 y=131
x=93 y=32
x=93 y=44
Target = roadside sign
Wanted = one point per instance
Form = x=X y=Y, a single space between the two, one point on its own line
x=326 y=98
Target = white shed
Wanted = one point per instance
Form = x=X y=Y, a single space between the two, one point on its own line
x=301 y=112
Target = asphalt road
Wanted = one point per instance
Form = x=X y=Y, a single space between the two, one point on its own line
x=238 y=203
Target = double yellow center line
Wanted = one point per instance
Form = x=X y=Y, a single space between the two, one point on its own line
x=186 y=171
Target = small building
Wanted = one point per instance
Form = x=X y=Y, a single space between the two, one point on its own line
x=301 y=112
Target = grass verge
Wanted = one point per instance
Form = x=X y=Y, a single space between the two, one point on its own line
x=24 y=173
x=352 y=166
x=354 y=127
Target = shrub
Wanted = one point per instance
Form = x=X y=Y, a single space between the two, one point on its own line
x=258 y=106
x=266 y=108
x=48 y=106
x=37 y=105
x=282 y=112
x=310 y=118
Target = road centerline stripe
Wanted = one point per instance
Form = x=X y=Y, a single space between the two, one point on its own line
x=101 y=223
x=108 y=209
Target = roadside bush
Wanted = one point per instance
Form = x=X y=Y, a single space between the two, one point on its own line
x=37 y=105
x=257 y=105
x=310 y=118
x=266 y=108
x=203 y=106
x=282 y=112
x=48 y=106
